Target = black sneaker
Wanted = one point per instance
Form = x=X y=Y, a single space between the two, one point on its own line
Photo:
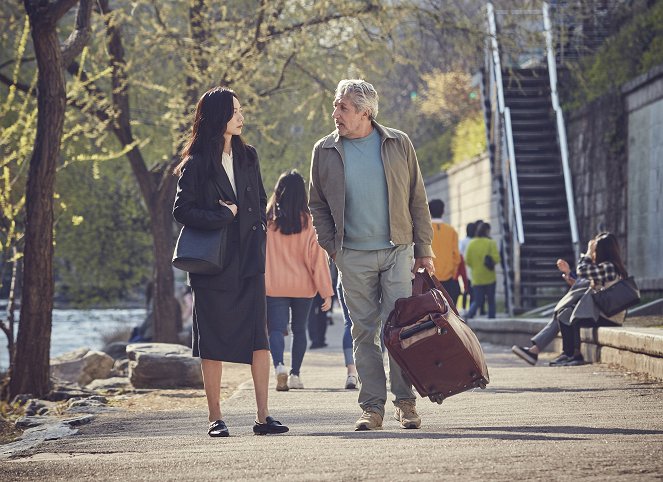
x=524 y=353
x=575 y=361
x=560 y=360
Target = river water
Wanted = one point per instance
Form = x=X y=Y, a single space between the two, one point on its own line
x=82 y=328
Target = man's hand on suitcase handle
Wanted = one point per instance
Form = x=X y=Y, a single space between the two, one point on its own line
x=424 y=263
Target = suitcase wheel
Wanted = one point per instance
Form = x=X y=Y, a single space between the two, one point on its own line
x=481 y=384
x=436 y=397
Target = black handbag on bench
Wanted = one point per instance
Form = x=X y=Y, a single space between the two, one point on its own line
x=617 y=297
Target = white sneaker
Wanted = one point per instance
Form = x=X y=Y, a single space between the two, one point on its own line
x=351 y=382
x=295 y=382
x=281 y=378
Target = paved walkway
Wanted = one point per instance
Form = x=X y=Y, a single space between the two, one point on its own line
x=532 y=423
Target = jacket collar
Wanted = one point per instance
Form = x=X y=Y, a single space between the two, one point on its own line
x=333 y=140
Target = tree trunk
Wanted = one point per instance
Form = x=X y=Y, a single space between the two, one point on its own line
x=158 y=193
x=30 y=373
x=167 y=314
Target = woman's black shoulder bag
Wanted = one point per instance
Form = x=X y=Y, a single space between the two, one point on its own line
x=201 y=251
x=617 y=297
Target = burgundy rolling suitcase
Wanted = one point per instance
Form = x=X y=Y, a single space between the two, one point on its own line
x=437 y=351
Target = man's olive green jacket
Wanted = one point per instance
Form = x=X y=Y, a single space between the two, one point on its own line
x=409 y=218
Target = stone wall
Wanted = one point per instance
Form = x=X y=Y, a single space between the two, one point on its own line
x=644 y=104
x=598 y=162
x=616 y=158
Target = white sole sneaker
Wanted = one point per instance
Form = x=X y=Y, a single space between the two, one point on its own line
x=351 y=382
x=282 y=382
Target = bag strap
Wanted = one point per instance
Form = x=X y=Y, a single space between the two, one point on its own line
x=424 y=281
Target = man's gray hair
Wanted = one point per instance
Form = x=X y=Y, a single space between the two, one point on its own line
x=362 y=95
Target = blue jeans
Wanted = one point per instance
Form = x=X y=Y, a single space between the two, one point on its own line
x=479 y=295
x=278 y=317
x=347 y=333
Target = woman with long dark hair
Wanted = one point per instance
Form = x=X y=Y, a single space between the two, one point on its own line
x=220 y=185
x=297 y=269
x=602 y=265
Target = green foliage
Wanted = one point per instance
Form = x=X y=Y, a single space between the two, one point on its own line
x=283 y=58
x=469 y=138
x=636 y=48
x=436 y=155
x=103 y=246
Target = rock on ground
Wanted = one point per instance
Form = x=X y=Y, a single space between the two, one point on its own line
x=163 y=365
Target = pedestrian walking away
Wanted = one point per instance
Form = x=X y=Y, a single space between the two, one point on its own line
x=229 y=314
x=297 y=269
x=445 y=248
x=370 y=211
x=482 y=256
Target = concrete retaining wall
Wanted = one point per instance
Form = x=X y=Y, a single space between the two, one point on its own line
x=644 y=104
x=638 y=350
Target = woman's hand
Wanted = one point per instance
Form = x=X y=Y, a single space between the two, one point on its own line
x=563 y=266
x=229 y=205
x=326 y=304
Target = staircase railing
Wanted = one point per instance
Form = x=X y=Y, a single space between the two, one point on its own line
x=561 y=129
x=508 y=133
x=502 y=128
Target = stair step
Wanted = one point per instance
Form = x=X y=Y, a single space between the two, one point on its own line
x=527 y=112
x=527 y=89
x=533 y=73
x=553 y=223
x=524 y=168
x=544 y=262
x=514 y=102
x=536 y=137
x=542 y=188
x=543 y=249
x=540 y=156
x=533 y=176
x=548 y=238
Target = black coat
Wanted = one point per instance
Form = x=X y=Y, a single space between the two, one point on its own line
x=197 y=205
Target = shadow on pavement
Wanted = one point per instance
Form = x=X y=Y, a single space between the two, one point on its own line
x=566 y=429
x=420 y=435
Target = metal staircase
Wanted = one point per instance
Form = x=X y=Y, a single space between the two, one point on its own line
x=530 y=165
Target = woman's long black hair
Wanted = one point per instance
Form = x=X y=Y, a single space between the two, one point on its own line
x=288 y=205
x=213 y=111
x=607 y=249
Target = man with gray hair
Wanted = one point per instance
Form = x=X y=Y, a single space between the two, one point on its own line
x=371 y=214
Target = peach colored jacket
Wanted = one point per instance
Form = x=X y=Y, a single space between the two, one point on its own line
x=297 y=266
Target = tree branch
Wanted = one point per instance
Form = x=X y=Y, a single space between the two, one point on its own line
x=267 y=92
x=58 y=8
x=80 y=36
x=9 y=82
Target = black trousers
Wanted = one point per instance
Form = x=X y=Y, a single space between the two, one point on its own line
x=570 y=338
x=453 y=288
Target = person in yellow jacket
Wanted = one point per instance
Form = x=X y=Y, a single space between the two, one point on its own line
x=445 y=248
x=482 y=256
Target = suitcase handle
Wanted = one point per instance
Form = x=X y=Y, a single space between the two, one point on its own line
x=418 y=328
x=424 y=281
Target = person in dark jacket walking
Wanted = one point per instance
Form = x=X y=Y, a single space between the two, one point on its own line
x=229 y=313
